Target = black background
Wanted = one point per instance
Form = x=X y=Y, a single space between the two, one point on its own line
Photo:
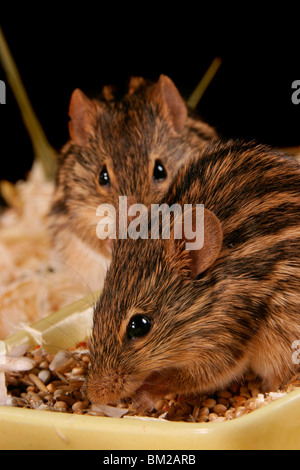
x=250 y=96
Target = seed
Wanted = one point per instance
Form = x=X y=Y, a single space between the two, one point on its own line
x=212 y=416
x=76 y=383
x=219 y=409
x=34 y=399
x=64 y=391
x=64 y=388
x=44 y=375
x=179 y=412
x=244 y=391
x=59 y=360
x=51 y=387
x=38 y=359
x=49 y=358
x=65 y=367
x=58 y=383
x=48 y=397
x=60 y=406
x=69 y=400
x=171 y=411
x=25 y=380
x=251 y=404
x=78 y=370
x=44 y=365
x=240 y=411
x=202 y=419
x=16 y=401
x=225 y=394
x=173 y=404
x=40 y=385
x=204 y=411
x=229 y=413
x=209 y=402
x=223 y=401
x=238 y=400
x=80 y=405
x=176 y=417
x=185 y=408
x=196 y=412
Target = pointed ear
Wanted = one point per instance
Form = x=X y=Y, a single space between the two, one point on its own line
x=200 y=259
x=169 y=98
x=82 y=112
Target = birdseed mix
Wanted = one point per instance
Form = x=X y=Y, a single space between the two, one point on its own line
x=57 y=383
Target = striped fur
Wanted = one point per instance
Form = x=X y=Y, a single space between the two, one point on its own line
x=242 y=313
x=127 y=136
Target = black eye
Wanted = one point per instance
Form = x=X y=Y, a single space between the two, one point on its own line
x=159 y=172
x=138 y=326
x=104 y=177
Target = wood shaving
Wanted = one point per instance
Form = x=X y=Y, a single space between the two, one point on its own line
x=33 y=282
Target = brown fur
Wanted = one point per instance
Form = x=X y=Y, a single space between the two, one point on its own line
x=242 y=313
x=151 y=122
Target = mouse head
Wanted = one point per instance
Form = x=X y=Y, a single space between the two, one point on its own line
x=145 y=321
x=128 y=142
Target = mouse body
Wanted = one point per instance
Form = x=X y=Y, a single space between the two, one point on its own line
x=172 y=320
x=129 y=147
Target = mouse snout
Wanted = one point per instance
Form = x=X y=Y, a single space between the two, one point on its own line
x=105 y=387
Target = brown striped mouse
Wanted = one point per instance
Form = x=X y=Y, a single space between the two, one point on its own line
x=192 y=321
x=129 y=147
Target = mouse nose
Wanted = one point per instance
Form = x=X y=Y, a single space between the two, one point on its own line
x=105 y=388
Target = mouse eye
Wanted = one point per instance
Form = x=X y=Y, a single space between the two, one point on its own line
x=159 y=172
x=138 y=326
x=104 y=177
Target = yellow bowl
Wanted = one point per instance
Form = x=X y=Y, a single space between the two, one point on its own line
x=273 y=427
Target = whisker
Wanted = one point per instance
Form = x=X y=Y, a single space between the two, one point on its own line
x=64 y=331
x=77 y=273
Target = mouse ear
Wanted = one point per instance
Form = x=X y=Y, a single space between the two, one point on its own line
x=169 y=98
x=201 y=259
x=204 y=248
x=82 y=113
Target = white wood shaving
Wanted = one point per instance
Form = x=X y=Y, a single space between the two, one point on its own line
x=110 y=411
x=33 y=284
x=8 y=363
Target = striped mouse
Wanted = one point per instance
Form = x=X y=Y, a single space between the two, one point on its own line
x=193 y=321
